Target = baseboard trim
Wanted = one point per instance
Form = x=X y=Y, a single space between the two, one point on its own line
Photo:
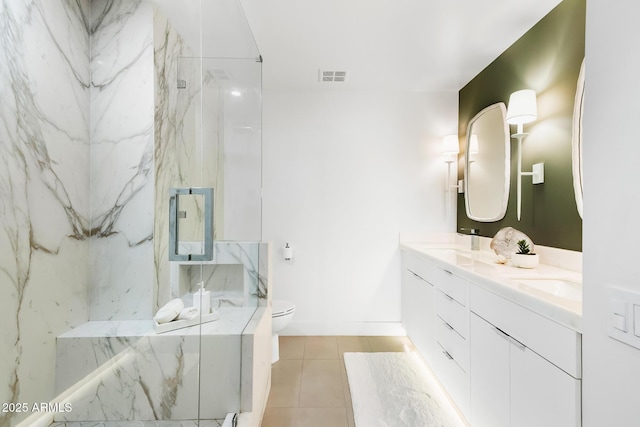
x=343 y=328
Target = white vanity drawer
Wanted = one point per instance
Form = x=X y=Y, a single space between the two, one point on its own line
x=416 y=266
x=454 y=379
x=453 y=343
x=450 y=284
x=452 y=312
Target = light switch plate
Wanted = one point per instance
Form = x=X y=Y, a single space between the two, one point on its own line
x=623 y=320
x=636 y=320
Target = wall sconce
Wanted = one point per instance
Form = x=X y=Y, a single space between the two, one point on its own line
x=450 y=150
x=522 y=109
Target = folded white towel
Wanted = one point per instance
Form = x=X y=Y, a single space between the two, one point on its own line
x=169 y=311
x=189 y=313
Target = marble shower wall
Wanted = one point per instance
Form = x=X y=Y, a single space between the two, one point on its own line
x=44 y=190
x=122 y=187
x=76 y=187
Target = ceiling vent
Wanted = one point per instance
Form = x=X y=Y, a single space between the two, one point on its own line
x=332 y=76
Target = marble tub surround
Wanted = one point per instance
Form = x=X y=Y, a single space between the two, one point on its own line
x=156 y=376
x=480 y=267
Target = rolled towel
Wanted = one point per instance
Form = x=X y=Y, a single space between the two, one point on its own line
x=189 y=313
x=169 y=311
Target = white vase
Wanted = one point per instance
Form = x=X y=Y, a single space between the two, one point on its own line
x=525 y=260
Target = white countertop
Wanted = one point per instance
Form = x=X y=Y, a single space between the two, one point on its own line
x=481 y=268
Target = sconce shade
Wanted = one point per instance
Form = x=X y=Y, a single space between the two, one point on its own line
x=450 y=145
x=522 y=107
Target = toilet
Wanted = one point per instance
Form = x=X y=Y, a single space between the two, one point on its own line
x=281 y=316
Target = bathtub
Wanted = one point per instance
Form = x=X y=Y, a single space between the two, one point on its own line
x=124 y=371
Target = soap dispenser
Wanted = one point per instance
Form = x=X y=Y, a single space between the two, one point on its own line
x=475 y=239
x=202 y=299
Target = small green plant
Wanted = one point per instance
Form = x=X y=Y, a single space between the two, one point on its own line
x=523 y=247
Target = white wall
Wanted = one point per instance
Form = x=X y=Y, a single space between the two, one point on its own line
x=611 y=370
x=344 y=173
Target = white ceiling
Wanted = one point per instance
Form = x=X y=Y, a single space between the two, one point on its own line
x=398 y=45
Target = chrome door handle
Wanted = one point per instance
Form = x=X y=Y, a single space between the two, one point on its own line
x=510 y=338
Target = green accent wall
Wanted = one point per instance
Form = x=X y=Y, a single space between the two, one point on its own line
x=547 y=59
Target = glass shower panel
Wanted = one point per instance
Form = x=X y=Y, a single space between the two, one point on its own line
x=232 y=128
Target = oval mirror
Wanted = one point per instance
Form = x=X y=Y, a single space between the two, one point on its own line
x=487 y=163
x=576 y=151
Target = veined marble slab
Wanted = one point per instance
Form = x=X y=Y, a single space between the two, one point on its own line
x=123 y=370
x=122 y=145
x=44 y=191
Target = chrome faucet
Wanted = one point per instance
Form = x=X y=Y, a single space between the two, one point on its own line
x=475 y=237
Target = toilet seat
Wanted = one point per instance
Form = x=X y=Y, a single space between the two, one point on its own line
x=281 y=314
x=282 y=308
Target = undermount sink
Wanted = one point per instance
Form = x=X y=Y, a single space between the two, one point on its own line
x=558 y=287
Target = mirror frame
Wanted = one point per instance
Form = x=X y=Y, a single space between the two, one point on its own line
x=576 y=141
x=507 y=164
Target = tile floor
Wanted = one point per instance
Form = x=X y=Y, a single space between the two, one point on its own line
x=309 y=385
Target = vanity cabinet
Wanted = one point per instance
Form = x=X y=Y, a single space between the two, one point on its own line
x=435 y=317
x=516 y=378
x=451 y=361
x=418 y=306
x=503 y=364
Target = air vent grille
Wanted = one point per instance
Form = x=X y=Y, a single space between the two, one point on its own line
x=332 y=76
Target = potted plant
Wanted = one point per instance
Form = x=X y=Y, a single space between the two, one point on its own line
x=524 y=258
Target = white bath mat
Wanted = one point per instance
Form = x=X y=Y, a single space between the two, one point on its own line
x=396 y=390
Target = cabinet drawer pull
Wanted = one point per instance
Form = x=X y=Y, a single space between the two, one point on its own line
x=418 y=276
x=448 y=272
x=510 y=338
x=446 y=353
x=448 y=325
x=450 y=298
